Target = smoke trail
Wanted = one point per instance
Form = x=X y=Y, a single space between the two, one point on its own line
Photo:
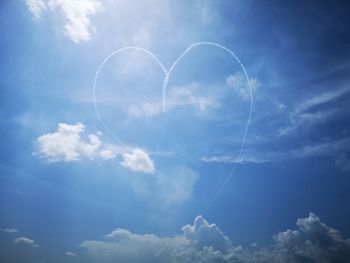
x=167 y=74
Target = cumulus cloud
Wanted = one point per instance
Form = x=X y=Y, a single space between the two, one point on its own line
x=314 y=241
x=9 y=230
x=138 y=160
x=70 y=254
x=25 y=241
x=66 y=144
x=202 y=234
x=77 y=14
x=122 y=245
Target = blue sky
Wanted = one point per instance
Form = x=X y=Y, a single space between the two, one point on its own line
x=149 y=188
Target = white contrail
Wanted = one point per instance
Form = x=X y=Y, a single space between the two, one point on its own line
x=126 y=148
x=167 y=74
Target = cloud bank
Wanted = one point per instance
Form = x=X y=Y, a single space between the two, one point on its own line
x=313 y=241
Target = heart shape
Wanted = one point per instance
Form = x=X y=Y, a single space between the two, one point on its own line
x=167 y=74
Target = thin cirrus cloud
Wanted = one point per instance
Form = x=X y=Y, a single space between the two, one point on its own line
x=313 y=241
x=25 y=241
x=337 y=149
x=313 y=111
x=78 y=26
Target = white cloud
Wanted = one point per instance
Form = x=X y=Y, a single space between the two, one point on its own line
x=314 y=241
x=122 y=245
x=77 y=13
x=145 y=109
x=25 y=241
x=188 y=95
x=36 y=7
x=238 y=82
x=177 y=96
x=138 y=160
x=66 y=144
x=78 y=27
x=70 y=254
x=202 y=234
x=108 y=154
x=9 y=230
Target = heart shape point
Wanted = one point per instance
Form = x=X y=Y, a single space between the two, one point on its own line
x=167 y=75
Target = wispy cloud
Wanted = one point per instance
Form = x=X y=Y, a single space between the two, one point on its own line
x=70 y=254
x=343 y=161
x=177 y=96
x=337 y=149
x=241 y=87
x=304 y=120
x=322 y=98
x=313 y=111
x=233 y=159
x=9 y=230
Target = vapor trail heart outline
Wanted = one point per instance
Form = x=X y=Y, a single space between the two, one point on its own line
x=167 y=74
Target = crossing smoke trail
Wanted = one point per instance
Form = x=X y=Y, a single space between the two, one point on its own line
x=167 y=74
